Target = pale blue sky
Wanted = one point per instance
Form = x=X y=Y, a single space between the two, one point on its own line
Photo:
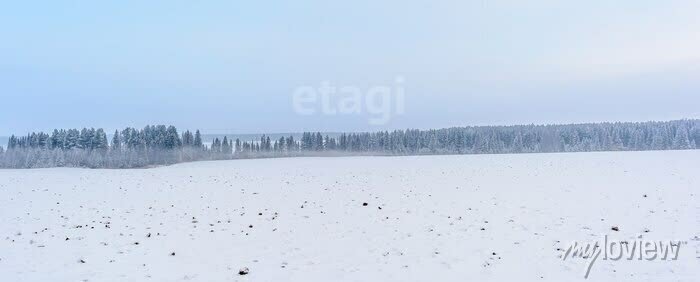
x=232 y=66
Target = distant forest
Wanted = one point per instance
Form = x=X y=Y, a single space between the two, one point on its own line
x=163 y=145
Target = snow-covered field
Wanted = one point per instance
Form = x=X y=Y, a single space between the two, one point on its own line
x=428 y=218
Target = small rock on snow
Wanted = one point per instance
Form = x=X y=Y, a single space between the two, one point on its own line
x=243 y=271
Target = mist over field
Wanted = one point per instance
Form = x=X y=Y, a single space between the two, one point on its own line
x=164 y=145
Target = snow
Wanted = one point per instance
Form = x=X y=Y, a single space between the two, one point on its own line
x=303 y=219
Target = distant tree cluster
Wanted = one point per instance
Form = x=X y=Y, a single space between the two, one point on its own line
x=162 y=145
x=152 y=145
x=672 y=135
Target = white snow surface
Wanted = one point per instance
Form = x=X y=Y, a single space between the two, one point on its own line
x=303 y=219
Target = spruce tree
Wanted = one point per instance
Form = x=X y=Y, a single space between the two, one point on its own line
x=116 y=142
x=198 y=140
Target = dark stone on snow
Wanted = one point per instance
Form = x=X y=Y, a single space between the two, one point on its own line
x=244 y=271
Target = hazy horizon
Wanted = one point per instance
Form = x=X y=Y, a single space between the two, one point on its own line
x=208 y=137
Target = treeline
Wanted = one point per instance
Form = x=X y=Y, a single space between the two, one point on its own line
x=671 y=135
x=161 y=145
x=152 y=145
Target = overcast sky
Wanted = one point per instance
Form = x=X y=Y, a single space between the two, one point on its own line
x=224 y=66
